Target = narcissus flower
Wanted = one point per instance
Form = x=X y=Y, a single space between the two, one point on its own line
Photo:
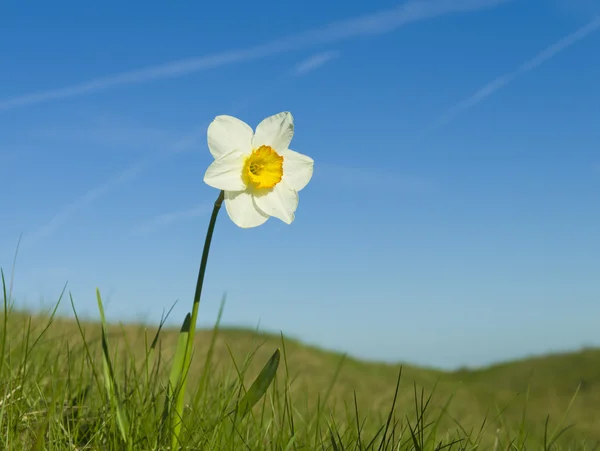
x=260 y=175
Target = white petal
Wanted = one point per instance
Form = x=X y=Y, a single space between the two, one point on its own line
x=226 y=172
x=281 y=202
x=226 y=134
x=297 y=169
x=242 y=211
x=275 y=131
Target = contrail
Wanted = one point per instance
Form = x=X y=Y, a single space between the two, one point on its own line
x=500 y=82
x=89 y=197
x=97 y=192
x=315 y=62
x=380 y=22
x=166 y=219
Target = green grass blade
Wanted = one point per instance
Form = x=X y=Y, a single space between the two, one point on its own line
x=109 y=379
x=259 y=386
x=39 y=444
x=204 y=380
x=150 y=352
x=5 y=325
x=178 y=359
x=175 y=380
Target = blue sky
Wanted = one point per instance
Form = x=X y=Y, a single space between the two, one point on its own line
x=453 y=217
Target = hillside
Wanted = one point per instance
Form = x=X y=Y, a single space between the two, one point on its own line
x=544 y=385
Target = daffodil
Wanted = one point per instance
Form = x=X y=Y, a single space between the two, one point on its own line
x=258 y=172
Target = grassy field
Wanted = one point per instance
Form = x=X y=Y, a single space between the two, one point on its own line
x=53 y=395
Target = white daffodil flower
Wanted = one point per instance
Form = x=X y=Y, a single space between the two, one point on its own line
x=257 y=171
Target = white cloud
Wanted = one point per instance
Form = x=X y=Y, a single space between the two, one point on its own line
x=314 y=62
x=380 y=22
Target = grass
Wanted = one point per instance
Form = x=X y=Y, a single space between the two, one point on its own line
x=56 y=394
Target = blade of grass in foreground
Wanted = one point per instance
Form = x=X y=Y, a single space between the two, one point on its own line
x=549 y=441
x=5 y=319
x=40 y=437
x=204 y=380
x=151 y=351
x=109 y=380
x=175 y=382
x=178 y=359
x=259 y=386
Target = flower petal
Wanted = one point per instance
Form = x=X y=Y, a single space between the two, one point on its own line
x=225 y=173
x=281 y=202
x=275 y=131
x=226 y=134
x=242 y=211
x=297 y=169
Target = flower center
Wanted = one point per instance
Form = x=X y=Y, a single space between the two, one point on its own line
x=263 y=168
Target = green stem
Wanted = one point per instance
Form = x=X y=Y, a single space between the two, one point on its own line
x=203 y=262
x=195 y=307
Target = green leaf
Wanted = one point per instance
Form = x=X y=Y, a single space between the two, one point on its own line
x=209 y=355
x=259 y=386
x=175 y=381
x=109 y=378
x=182 y=344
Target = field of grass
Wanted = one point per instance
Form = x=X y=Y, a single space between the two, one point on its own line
x=53 y=395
